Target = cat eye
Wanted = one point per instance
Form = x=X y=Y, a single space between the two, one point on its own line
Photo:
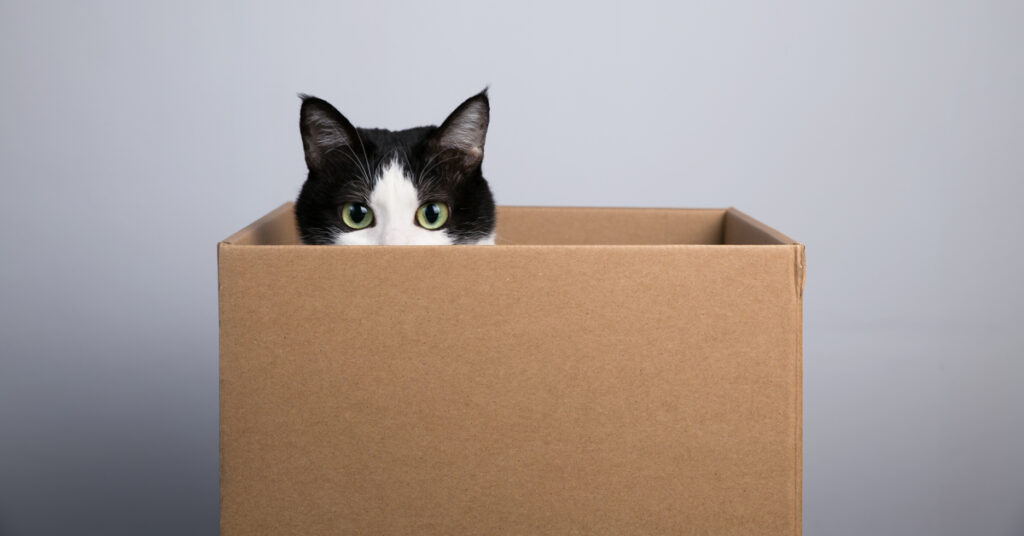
x=356 y=215
x=432 y=215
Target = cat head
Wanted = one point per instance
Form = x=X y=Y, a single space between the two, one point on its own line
x=422 y=185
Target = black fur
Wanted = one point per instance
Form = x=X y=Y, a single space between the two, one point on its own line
x=344 y=162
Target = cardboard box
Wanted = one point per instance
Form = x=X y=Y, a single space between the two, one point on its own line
x=600 y=371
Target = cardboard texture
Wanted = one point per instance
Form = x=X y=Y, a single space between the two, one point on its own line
x=605 y=371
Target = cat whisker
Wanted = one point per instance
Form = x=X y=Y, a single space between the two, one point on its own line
x=363 y=147
x=423 y=174
x=355 y=160
x=425 y=166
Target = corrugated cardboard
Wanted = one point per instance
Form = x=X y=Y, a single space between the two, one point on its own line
x=600 y=371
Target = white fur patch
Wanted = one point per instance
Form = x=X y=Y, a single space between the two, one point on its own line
x=394 y=202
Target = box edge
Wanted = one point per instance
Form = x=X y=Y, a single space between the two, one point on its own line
x=248 y=230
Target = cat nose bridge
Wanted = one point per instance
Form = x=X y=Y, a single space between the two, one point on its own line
x=393 y=235
x=390 y=238
x=397 y=224
x=388 y=234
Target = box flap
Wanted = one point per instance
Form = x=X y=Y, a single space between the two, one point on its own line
x=742 y=229
x=275 y=228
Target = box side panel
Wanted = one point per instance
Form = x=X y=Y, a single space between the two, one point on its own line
x=628 y=226
x=510 y=390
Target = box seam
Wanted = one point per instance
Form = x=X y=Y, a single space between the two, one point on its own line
x=798 y=396
x=221 y=247
x=799 y=270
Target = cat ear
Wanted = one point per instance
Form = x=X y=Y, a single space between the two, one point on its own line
x=324 y=131
x=466 y=129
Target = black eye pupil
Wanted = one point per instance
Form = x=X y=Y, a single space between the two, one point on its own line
x=432 y=212
x=357 y=212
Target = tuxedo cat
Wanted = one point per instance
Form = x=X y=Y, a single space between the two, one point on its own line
x=374 y=186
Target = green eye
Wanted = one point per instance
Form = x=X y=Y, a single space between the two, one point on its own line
x=356 y=215
x=432 y=215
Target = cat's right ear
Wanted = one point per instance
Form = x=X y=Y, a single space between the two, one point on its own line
x=325 y=132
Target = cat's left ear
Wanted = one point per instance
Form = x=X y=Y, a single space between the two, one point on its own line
x=465 y=130
x=325 y=132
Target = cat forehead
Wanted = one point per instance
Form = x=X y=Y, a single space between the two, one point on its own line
x=383 y=140
x=394 y=188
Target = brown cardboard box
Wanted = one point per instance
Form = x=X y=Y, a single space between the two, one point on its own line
x=605 y=371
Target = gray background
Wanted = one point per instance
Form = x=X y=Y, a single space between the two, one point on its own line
x=885 y=135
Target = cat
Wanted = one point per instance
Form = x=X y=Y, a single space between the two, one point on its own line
x=420 y=186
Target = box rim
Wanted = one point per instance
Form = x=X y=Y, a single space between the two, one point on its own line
x=781 y=238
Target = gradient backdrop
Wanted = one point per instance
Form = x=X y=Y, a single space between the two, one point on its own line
x=888 y=136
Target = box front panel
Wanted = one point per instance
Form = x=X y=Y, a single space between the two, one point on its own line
x=509 y=390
